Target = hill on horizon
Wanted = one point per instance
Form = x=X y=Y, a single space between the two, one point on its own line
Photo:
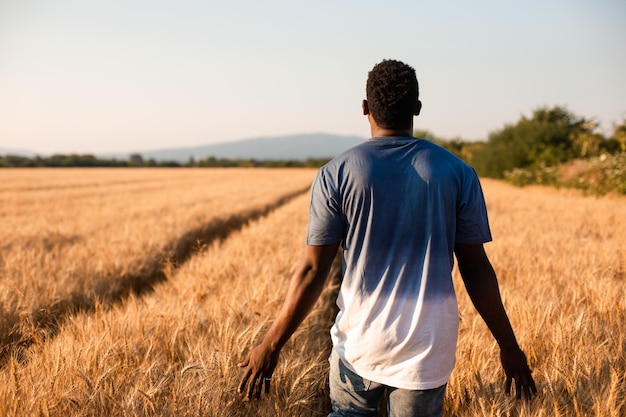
x=15 y=151
x=290 y=147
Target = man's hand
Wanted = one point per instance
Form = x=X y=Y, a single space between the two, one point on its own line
x=305 y=288
x=482 y=287
x=516 y=368
x=259 y=364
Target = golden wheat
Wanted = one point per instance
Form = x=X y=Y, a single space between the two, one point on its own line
x=174 y=352
x=561 y=260
x=74 y=237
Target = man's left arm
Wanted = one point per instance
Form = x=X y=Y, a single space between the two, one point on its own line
x=482 y=287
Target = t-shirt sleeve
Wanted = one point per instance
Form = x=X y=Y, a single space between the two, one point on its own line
x=326 y=223
x=472 y=225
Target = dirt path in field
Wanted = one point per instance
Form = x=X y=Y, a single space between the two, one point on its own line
x=107 y=290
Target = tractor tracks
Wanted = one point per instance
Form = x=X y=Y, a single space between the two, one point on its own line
x=106 y=291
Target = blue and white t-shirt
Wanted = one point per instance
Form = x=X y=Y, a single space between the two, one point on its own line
x=398 y=205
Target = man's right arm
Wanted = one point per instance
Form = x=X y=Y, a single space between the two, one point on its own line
x=305 y=288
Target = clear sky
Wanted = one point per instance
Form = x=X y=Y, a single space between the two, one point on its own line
x=93 y=76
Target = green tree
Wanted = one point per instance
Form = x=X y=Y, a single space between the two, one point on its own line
x=619 y=136
x=549 y=137
x=135 y=160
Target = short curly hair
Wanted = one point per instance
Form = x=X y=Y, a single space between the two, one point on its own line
x=392 y=94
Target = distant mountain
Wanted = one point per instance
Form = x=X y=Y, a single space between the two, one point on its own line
x=294 y=147
x=19 y=152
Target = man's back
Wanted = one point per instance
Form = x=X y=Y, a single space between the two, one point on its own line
x=394 y=202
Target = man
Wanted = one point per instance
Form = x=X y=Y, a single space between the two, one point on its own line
x=401 y=207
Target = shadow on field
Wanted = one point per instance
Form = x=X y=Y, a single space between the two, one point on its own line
x=107 y=290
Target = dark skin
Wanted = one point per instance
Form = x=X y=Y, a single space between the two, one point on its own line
x=308 y=281
x=305 y=288
x=481 y=285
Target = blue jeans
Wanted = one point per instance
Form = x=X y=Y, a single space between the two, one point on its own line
x=353 y=396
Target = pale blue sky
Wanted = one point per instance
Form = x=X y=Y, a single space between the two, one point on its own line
x=99 y=76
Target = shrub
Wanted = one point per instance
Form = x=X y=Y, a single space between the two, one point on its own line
x=598 y=175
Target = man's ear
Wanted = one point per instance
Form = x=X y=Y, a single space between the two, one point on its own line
x=365 y=107
x=418 y=108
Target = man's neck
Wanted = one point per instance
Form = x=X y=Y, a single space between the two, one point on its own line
x=381 y=132
x=378 y=132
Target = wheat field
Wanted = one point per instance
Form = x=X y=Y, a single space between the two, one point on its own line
x=72 y=238
x=135 y=292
